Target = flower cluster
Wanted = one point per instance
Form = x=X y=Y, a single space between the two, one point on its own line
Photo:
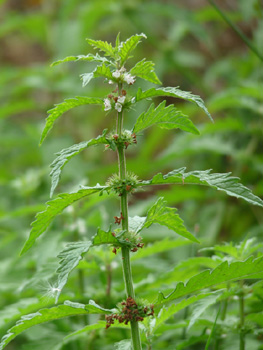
x=111 y=101
x=123 y=76
x=130 y=311
x=129 y=239
x=126 y=138
x=119 y=186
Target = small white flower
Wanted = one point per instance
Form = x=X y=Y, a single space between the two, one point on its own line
x=129 y=79
x=121 y=99
x=118 y=107
x=107 y=104
x=116 y=74
x=111 y=82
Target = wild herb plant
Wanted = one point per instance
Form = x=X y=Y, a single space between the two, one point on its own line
x=144 y=316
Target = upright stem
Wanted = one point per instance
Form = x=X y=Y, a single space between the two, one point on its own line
x=126 y=263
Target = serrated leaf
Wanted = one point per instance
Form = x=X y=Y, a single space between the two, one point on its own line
x=173 y=92
x=65 y=106
x=70 y=257
x=221 y=274
x=128 y=46
x=103 y=46
x=166 y=313
x=222 y=182
x=168 y=217
x=54 y=313
x=90 y=57
x=66 y=154
x=54 y=208
x=165 y=117
x=145 y=70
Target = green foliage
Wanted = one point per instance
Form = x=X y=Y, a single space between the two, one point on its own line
x=89 y=57
x=54 y=313
x=173 y=92
x=222 y=182
x=165 y=117
x=63 y=107
x=145 y=70
x=66 y=154
x=54 y=208
x=223 y=273
x=126 y=48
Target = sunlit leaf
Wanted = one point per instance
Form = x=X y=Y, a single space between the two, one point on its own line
x=89 y=57
x=99 y=71
x=102 y=46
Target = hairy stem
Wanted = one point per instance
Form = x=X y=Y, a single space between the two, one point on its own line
x=126 y=264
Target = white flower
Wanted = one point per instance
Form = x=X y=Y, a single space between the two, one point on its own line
x=129 y=79
x=121 y=99
x=111 y=82
x=107 y=104
x=116 y=74
x=118 y=107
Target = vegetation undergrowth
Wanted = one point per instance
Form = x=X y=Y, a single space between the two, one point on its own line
x=145 y=313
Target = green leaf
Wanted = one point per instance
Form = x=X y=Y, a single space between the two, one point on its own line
x=168 y=217
x=89 y=57
x=222 y=273
x=165 y=117
x=65 y=106
x=103 y=46
x=66 y=154
x=103 y=237
x=221 y=182
x=69 y=257
x=123 y=345
x=166 y=313
x=159 y=247
x=145 y=70
x=54 y=208
x=173 y=92
x=202 y=305
x=54 y=313
x=128 y=46
x=100 y=71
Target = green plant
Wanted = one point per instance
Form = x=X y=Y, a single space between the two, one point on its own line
x=150 y=310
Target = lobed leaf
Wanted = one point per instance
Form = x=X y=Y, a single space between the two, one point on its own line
x=165 y=117
x=103 y=46
x=168 y=217
x=128 y=46
x=104 y=237
x=145 y=70
x=45 y=315
x=65 y=106
x=221 y=274
x=221 y=182
x=90 y=57
x=70 y=257
x=66 y=154
x=54 y=208
x=173 y=92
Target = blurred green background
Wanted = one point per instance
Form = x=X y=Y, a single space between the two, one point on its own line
x=192 y=47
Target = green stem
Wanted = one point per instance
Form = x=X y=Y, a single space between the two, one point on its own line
x=237 y=30
x=126 y=263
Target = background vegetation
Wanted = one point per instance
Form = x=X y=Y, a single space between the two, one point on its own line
x=194 y=48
